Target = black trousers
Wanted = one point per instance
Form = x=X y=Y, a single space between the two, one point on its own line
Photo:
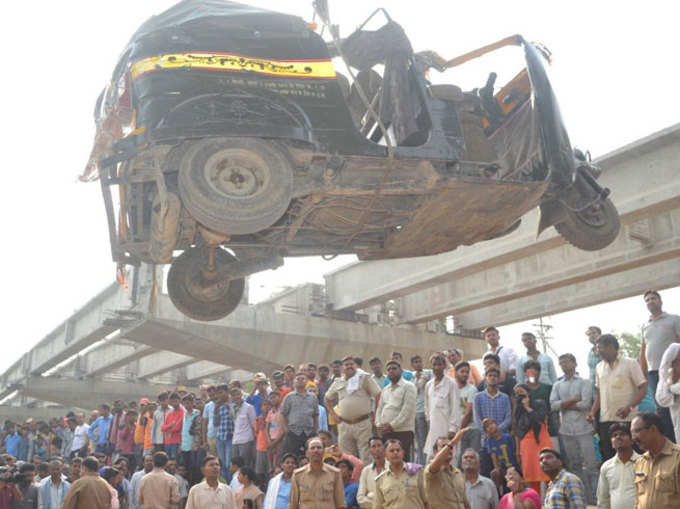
x=295 y=444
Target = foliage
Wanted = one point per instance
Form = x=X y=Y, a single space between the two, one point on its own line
x=629 y=344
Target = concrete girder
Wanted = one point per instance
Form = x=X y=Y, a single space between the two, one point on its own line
x=162 y=362
x=21 y=413
x=661 y=275
x=256 y=338
x=89 y=393
x=205 y=369
x=113 y=355
x=643 y=180
x=562 y=266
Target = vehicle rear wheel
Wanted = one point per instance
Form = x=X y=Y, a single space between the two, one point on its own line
x=196 y=297
x=593 y=228
x=235 y=186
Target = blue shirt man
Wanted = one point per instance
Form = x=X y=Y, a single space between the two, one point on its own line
x=12 y=444
x=187 y=441
x=492 y=403
x=99 y=429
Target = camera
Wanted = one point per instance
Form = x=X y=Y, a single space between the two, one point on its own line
x=11 y=475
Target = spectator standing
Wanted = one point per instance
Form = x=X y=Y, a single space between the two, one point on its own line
x=620 y=387
x=378 y=375
x=12 y=440
x=262 y=444
x=322 y=424
x=354 y=392
x=90 y=491
x=616 y=487
x=481 y=492
x=140 y=428
x=454 y=356
x=492 y=404
x=299 y=416
x=9 y=492
x=508 y=357
x=366 y=493
x=593 y=332
x=99 y=429
x=442 y=406
x=279 y=385
x=668 y=390
x=502 y=450
x=316 y=485
x=539 y=390
x=259 y=393
x=157 y=435
x=420 y=378
x=147 y=466
x=68 y=435
x=208 y=422
x=158 y=489
x=661 y=331
x=401 y=485
x=126 y=439
x=191 y=435
x=118 y=420
x=28 y=488
x=323 y=382
x=657 y=471
x=224 y=428
x=172 y=427
x=278 y=488
x=572 y=398
x=211 y=494
x=548 y=376
x=274 y=427
x=506 y=382
x=530 y=428
x=408 y=375
x=466 y=395
x=444 y=483
x=243 y=441
x=565 y=489
x=81 y=438
x=396 y=412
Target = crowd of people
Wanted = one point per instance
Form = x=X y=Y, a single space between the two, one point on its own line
x=332 y=436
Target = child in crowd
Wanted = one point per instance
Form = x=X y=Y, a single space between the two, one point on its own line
x=501 y=448
x=262 y=444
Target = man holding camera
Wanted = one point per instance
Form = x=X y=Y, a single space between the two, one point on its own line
x=9 y=493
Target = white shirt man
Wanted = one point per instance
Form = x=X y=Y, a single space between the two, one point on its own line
x=442 y=405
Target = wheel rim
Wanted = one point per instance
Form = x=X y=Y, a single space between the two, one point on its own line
x=236 y=173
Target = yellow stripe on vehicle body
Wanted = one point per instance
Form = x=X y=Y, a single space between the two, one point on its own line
x=321 y=69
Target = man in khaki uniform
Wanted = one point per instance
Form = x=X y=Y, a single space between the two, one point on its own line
x=317 y=485
x=401 y=485
x=657 y=471
x=444 y=483
x=353 y=413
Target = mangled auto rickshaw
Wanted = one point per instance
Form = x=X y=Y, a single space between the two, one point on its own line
x=231 y=136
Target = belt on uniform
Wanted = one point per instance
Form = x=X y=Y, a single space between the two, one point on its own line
x=357 y=420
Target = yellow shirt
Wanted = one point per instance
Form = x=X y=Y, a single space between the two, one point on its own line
x=657 y=480
x=617 y=384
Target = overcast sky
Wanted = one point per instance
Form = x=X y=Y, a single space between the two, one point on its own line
x=614 y=68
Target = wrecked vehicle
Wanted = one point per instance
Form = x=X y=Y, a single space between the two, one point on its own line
x=231 y=135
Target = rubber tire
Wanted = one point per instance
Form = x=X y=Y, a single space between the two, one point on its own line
x=588 y=237
x=180 y=295
x=235 y=215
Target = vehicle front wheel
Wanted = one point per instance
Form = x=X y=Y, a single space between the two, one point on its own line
x=197 y=297
x=235 y=186
x=593 y=228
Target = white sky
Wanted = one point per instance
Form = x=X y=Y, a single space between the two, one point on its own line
x=614 y=67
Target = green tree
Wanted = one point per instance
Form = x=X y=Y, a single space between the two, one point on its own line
x=629 y=344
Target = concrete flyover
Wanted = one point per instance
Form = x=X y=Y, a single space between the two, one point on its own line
x=520 y=277
x=127 y=343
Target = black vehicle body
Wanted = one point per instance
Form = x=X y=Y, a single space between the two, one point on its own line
x=250 y=87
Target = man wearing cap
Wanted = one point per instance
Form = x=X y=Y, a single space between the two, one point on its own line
x=353 y=412
x=259 y=392
x=395 y=416
x=299 y=416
